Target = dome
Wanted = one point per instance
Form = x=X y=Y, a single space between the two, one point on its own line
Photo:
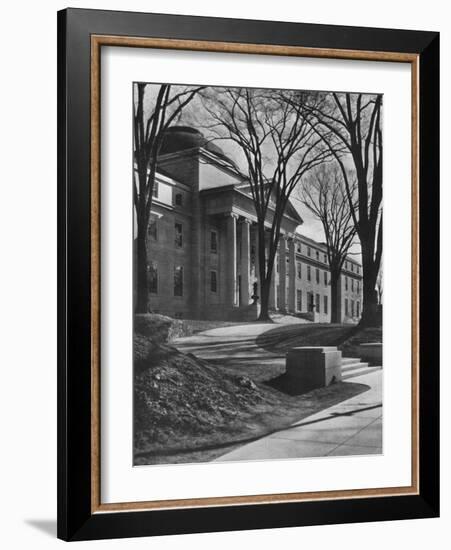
x=178 y=138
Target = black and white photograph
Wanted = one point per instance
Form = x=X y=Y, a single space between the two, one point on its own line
x=225 y=285
x=257 y=273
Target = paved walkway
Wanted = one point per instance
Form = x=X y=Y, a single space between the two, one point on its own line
x=234 y=347
x=353 y=427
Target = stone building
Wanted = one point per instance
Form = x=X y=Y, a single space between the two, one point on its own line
x=202 y=243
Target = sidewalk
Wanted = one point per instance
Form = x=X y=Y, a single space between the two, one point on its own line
x=353 y=427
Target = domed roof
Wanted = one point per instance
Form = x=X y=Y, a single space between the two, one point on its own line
x=178 y=138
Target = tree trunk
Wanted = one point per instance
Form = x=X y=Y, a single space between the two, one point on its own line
x=264 y=300
x=142 y=297
x=370 y=316
x=265 y=274
x=335 y=313
x=370 y=311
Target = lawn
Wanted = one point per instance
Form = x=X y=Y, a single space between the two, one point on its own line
x=345 y=337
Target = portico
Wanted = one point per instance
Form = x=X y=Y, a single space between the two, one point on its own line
x=242 y=265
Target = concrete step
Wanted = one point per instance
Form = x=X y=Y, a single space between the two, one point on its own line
x=353 y=366
x=346 y=375
x=350 y=360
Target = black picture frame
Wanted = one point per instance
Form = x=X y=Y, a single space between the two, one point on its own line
x=76 y=520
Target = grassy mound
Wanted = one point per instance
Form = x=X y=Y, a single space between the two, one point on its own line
x=350 y=347
x=160 y=328
x=285 y=337
x=346 y=337
x=179 y=399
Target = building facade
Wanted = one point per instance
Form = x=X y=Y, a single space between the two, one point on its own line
x=203 y=241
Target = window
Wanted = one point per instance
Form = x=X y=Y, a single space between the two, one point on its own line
x=178 y=199
x=326 y=305
x=299 y=299
x=352 y=308
x=358 y=287
x=152 y=229
x=299 y=270
x=155 y=189
x=325 y=258
x=346 y=283
x=178 y=235
x=178 y=280
x=299 y=248
x=317 y=275
x=213 y=281
x=309 y=273
x=214 y=242
x=325 y=278
x=352 y=284
x=352 y=267
x=317 y=255
x=309 y=251
x=358 y=269
x=346 y=307
x=318 y=303
x=152 y=277
x=358 y=308
x=346 y=265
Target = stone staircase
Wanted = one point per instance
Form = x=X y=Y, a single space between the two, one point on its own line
x=352 y=367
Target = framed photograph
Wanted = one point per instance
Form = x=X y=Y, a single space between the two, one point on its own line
x=248 y=274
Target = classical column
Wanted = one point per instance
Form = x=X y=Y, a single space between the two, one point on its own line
x=231 y=260
x=283 y=273
x=245 y=261
x=256 y=260
x=273 y=288
x=292 y=277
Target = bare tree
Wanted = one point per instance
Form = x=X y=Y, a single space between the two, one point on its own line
x=280 y=147
x=324 y=194
x=150 y=122
x=354 y=122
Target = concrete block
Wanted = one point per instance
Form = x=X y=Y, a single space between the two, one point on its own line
x=313 y=367
x=371 y=352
